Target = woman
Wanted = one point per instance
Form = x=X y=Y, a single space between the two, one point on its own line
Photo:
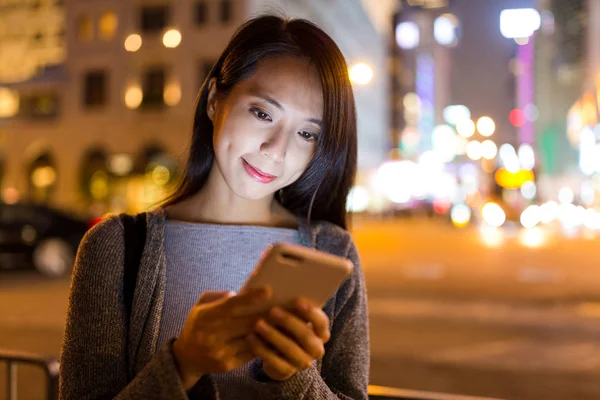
x=272 y=158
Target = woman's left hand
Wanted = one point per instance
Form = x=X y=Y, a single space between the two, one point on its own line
x=288 y=343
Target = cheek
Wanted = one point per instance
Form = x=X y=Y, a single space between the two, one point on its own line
x=229 y=139
x=299 y=160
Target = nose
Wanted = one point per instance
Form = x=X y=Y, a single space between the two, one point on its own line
x=275 y=147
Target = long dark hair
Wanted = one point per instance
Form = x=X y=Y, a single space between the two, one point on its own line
x=321 y=192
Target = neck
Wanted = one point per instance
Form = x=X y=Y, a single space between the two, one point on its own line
x=216 y=203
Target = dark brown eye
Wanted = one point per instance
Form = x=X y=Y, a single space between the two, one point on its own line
x=261 y=115
x=307 y=135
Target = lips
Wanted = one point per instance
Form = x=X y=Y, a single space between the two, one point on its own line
x=257 y=174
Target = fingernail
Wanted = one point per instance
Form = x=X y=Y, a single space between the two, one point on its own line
x=262 y=293
x=303 y=305
x=277 y=312
x=261 y=325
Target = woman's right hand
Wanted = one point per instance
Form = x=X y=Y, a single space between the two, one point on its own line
x=213 y=338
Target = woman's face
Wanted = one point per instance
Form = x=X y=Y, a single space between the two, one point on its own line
x=266 y=129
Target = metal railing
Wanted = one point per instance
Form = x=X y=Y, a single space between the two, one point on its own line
x=13 y=359
x=50 y=366
x=388 y=393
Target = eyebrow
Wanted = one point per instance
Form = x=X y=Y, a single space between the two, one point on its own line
x=274 y=102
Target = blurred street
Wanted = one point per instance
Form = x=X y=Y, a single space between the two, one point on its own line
x=476 y=200
x=514 y=323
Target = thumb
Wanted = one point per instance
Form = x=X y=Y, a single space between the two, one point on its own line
x=209 y=297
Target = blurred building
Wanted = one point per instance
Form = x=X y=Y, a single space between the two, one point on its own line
x=559 y=75
x=31 y=37
x=107 y=128
x=564 y=54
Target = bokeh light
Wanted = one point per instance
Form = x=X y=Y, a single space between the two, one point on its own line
x=407 y=35
x=445 y=30
x=133 y=43
x=517 y=117
x=358 y=199
x=566 y=195
x=533 y=237
x=361 y=73
x=444 y=142
x=526 y=157
x=489 y=150
x=133 y=97
x=486 y=126
x=465 y=128
x=172 y=38
x=493 y=214
x=474 y=151
x=460 y=215
x=172 y=94
x=529 y=190
x=531 y=216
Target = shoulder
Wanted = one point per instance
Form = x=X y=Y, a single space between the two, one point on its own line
x=101 y=251
x=105 y=234
x=332 y=238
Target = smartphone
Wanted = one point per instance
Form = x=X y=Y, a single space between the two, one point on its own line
x=293 y=271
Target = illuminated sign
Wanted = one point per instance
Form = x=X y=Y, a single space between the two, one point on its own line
x=513 y=180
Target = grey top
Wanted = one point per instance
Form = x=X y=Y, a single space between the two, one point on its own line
x=104 y=358
x=209 y=257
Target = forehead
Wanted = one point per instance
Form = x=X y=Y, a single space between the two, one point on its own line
x=294 y=82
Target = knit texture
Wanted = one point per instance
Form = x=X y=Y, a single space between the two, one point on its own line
x=98 y=342
x=209 y=257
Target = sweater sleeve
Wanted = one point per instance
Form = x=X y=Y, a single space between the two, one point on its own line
x=93 y=356
x=345 y=367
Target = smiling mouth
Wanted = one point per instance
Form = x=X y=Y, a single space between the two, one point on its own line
x=257 y=174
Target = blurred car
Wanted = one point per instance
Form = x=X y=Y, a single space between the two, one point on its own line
x=38 y=237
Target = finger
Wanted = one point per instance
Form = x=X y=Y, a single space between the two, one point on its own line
x=299 y=330
x=210 y=296
x=283 y=344
x=250 y=303
x=225 y=350
x=269 y=356
x=230 y=306
x=315 y=316
x=233 y=328
x=237 y=346
x=232 y=355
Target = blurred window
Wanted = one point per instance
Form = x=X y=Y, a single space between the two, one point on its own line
x=9 y=103
x=42 y=178
x=225 y=11
x=42 y=105
x=85 y=28
x=201 y=12
x=94 y=176
x=154 y=86
x=17 y=213
x=95 y=88
x=108 y=25
x=154 y=19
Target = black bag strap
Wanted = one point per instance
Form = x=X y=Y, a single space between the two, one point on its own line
x=135 y=239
